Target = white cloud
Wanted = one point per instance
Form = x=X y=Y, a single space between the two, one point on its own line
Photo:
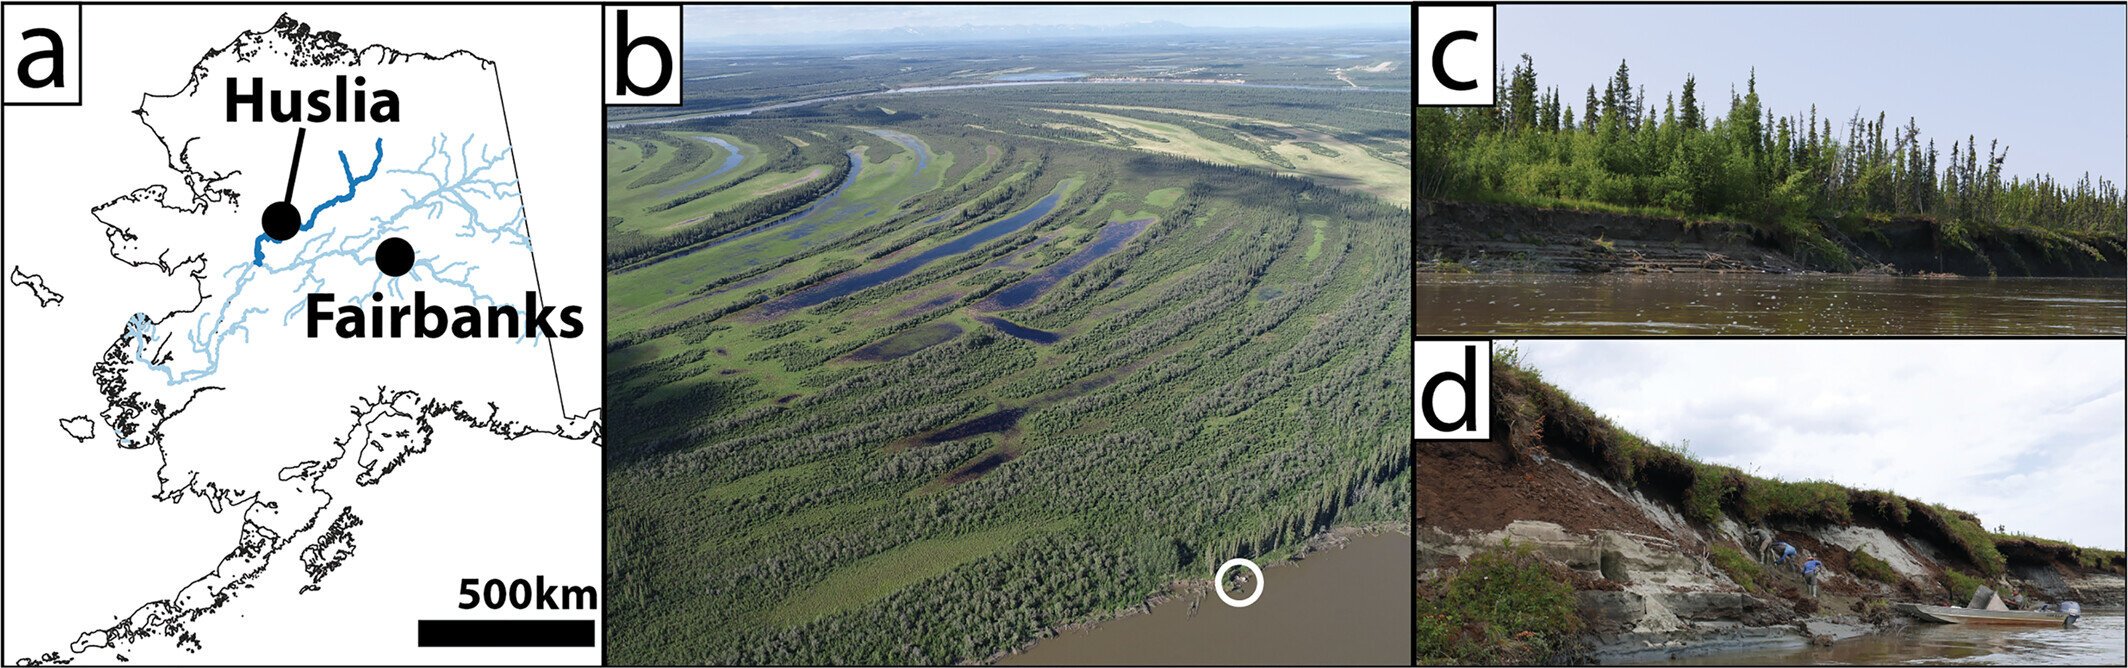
x=2023 y=433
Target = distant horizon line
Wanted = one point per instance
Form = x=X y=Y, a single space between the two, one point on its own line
x=789 y=38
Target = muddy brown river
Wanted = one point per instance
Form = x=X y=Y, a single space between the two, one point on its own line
x=1759 y=304
x=2097 y=641
x=1341 y=606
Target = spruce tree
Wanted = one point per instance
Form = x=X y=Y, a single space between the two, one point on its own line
x=1588 y=111
x=1522 y=96
x=1689 y=113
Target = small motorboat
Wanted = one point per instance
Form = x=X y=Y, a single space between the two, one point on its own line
x=1943 y=614
x=1988 y=608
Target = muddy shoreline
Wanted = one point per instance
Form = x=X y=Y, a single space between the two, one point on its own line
x=1725 y=639
x=1458 y=237
x=1717 y=640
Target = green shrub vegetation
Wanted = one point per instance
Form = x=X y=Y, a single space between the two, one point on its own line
x=2042 y=548
x=1882 y=505
x=1796 y=176
x=1504 y=606
x=1710 y=487
x=1810 y=500
x=1865 y=565
x=1745 y=570
x=1964 y=530
x=1960 y=585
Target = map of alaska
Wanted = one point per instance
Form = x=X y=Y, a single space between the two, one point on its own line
x=205 y=384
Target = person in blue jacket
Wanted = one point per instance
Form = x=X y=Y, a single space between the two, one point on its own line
x=1786 y=551
x=1811 y=569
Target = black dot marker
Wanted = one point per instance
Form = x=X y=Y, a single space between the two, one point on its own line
x=395 y=257
x=281 y=221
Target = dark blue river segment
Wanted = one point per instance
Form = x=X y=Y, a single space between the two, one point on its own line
x=258 y=247
x=850 y=285
x=1024 y=292
x=1020 y=331
x=732 y=159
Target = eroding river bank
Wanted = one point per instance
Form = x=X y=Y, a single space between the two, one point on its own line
x=1766 y=304
x=1491 y=269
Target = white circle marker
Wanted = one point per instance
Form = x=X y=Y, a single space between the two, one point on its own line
x=1219 y=581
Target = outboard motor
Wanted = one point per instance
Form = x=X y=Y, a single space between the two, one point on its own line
x=2074 y=611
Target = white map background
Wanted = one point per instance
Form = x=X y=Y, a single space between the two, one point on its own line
x=86 y=542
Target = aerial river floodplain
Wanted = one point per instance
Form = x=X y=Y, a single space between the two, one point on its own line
x=994 y=340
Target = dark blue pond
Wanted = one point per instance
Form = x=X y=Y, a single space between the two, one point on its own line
x=1024 y=292
x=1021 y=332
x=852 y=283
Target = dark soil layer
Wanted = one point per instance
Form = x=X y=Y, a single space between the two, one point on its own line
x=1503 y=237
x=1478 y=486
x=1915 y=246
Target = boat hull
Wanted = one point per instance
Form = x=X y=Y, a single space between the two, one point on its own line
x=1949 y=615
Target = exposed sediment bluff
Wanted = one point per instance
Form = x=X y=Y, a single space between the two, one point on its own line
x=1652 y=581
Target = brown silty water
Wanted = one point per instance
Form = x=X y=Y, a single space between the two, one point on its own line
x=1339 y=606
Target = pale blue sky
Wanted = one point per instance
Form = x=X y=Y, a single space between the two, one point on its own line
x=2046 y=80
x=707 y=23
x=2023 y=433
